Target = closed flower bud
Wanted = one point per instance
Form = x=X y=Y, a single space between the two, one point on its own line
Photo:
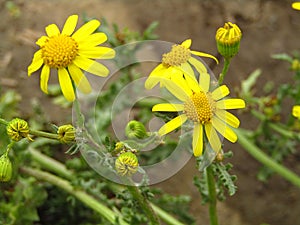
x=5 y=168
x=126 y=164
x=295 y=65
x=228 y=40
x=18 y=129
x=66 y=134
x=135 y=129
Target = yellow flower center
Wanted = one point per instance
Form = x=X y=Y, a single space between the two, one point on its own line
x=59 y=51
x=200 y=107
x=176 y=56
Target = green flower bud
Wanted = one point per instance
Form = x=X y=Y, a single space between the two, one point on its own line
x=295 y=65
x=135 y=129
x=127 y=164
x=18 y=129
x=5 y=168
x=66 y=134
x=228 y=40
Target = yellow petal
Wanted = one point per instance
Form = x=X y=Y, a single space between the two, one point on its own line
x=86 y=30
x=97 y=52
x=296 y=5
x=200 y=67
x=79 y=79
x=172 y=125
x=187 y=43
x=296 y=111
x=52 y=30
x=178 y=88
x=187 y=69
x=202 y=54
x=223 y=129
x=204 y=82
x=198 y=140
x=93 y=40
x=166 y=107
x=192 y=84
x=42 y=40
x=66 y=84
x=233 y=103
x=212 y=137
x=155 y=76
x=220 y=92
x=91 y=66
x=36 y=63
x=228 y=118
x=44 y=78
x=70 y=25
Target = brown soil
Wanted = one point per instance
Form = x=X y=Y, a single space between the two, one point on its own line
x=268 y=27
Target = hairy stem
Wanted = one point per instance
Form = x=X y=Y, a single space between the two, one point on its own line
x=143 y=202
x=212 y=196
x=224 y=71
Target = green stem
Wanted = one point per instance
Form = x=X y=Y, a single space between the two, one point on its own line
x=143 y=202
x=43 y=134
x=212 y=196
x=165 y=216
x=260 y=156
x=79 y=194
x=50 y=164
x=225 y=70
x=79 y=116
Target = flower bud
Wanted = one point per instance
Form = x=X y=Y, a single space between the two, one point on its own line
x=5 y=168
x=295 y=65
x=126 y=164
x=135 y=129
x=228 y=40
x=18 y=129
x=296 y=111
x=66 y=134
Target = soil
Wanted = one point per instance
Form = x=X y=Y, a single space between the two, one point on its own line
x=268 y=27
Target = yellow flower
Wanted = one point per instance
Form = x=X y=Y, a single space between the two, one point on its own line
x=127 y=164
x=70 y=53
x=18 y=129
x=296 y=111
x=205 y=108
x=228 y=40
x=66 y=134
x=296 y=5
x=176 y=62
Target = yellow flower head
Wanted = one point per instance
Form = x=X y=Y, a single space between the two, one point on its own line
x=228 y=40
x=296 y=111
x=176 y=62
x=70 y=53
x=296 y=5
x=66 y=134
x=127 y=164
x=18 y=129
x=207 y=110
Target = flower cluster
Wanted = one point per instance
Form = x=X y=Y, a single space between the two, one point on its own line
x=202 y=103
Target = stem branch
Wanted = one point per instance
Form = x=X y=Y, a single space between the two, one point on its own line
x=260 y=156
x=79 y=194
